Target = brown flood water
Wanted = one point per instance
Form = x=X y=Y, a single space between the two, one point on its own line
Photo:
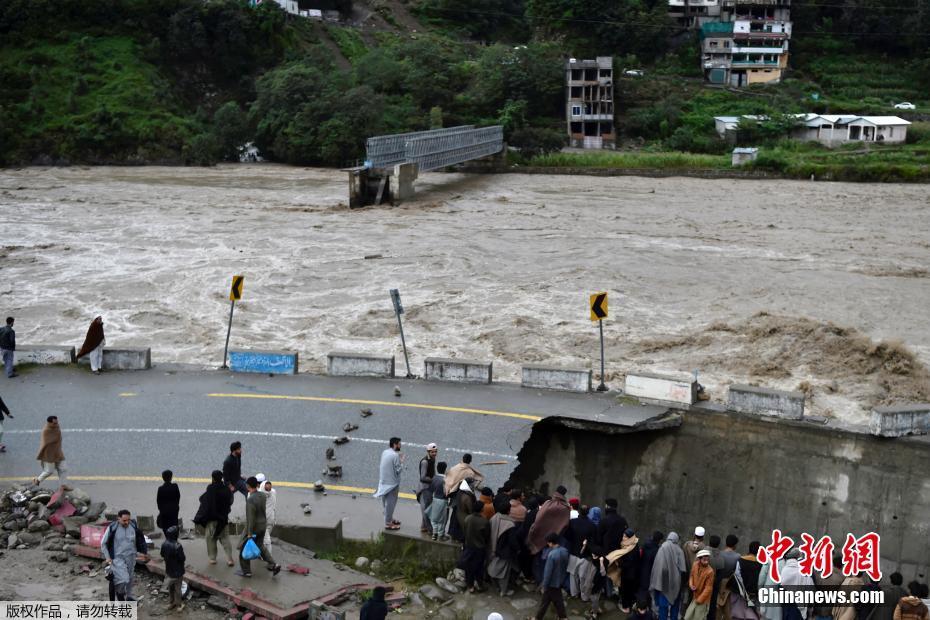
x=489 y=267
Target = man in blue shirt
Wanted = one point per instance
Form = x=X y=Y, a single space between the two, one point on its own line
x=553 y=576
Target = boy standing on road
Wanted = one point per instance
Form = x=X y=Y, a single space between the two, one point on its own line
x=173 y=554
x=8 y=346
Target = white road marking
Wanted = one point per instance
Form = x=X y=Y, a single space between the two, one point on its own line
x=254 y=434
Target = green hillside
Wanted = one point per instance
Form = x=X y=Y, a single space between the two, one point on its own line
x=187 y=81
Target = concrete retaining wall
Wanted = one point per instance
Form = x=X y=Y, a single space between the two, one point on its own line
x=348 y=364
x=43 y=354
x=763 y=401
x=661 y=389
x=270 y=362
x=900 y=420
x=440 y=556
x=316 y=538
x=747 y=476
x=463 y=371
x=123 y=359
x=567 y=379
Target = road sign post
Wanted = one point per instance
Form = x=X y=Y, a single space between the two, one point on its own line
x=235 y=294
x=399 y=310
x=598 y=307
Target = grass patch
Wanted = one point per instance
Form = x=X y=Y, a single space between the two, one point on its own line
x=349 y=42
x=407 y=565
x=856 y=162
x=633 y=160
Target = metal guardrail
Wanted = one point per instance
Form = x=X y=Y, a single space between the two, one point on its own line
x=436 y=148
x=387 y=151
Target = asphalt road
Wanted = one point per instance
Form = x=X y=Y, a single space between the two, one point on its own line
x=139 y=423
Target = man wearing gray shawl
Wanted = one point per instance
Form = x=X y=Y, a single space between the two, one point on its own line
x=389 y=481
x=666 y=579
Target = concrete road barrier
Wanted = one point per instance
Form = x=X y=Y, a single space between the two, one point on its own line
x=900 y=420
x=553 y=378
x=666 y=390
x=763 y=401
x=270 y=362
x=123 y=359
x=348 y=364
x=43 y=354
x=463 y=371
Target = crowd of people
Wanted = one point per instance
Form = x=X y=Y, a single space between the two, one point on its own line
x=565 y=547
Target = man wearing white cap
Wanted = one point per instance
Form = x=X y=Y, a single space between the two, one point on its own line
x=271 y=501
x=701 y=586
x=691 y=549
x=427 y=473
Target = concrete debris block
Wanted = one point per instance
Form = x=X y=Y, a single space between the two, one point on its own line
x=59 y=556
x=900 y=420
x=77 y=496
x=376 y=565
x=220 y=603
x=348 y=427
x=366 y=413
x=42 y=498
x=306 y=508
x=297 y=569
x=447 y=614
x=416 y=600
x=330 y=454
x=341 y=440
x=763 y=401
x=94 y=510
x=29 y=538
x=334 y=471
x=12 y=525
x=38 y=525
x=146 y=523
x=361 y=562
x=12 y=541
x=42 y=512
x=446 y=585
x=433 y=593
x=318 y=486
x=73 y=525
x=397 y=391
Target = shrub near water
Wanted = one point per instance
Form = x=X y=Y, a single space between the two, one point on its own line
x=641 y=160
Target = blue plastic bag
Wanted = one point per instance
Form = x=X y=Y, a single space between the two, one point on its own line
x=251 y=551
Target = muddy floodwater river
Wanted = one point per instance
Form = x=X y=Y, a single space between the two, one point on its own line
x=780 y=283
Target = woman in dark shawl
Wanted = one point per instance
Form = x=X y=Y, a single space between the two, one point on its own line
x=93 y=345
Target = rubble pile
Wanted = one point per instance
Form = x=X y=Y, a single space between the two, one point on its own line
x=31 y=516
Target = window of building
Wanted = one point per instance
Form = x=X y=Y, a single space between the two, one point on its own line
x=590 y=75
x=605 y=73
x=576 y=92
x=576 y=75
x=891 y=132
x=726 y=44
x=576 y=110
x=576 y=127
x=713 y=44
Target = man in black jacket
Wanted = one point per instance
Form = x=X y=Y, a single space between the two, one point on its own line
x=610 y=529
x=232 y=470
x=580 y=530
x=8 y=346
x=213 y=515
x=173 y=554
x=168 y=500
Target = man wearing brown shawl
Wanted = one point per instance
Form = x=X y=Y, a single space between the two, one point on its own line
x=552 y=518
x=50 y=455
x=93 y=345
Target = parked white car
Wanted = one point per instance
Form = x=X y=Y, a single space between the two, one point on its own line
x=905 y=105
x=634 y=72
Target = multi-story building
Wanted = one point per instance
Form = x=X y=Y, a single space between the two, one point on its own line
x=694 y=13
x=747 y=44
x=589 y=107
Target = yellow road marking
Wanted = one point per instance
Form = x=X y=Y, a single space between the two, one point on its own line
x=383 y=403
x=128 y=394
x=292 y=485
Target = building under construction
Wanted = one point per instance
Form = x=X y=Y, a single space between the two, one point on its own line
x=589 y=108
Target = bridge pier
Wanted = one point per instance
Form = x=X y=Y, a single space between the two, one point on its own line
x=402 y=181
